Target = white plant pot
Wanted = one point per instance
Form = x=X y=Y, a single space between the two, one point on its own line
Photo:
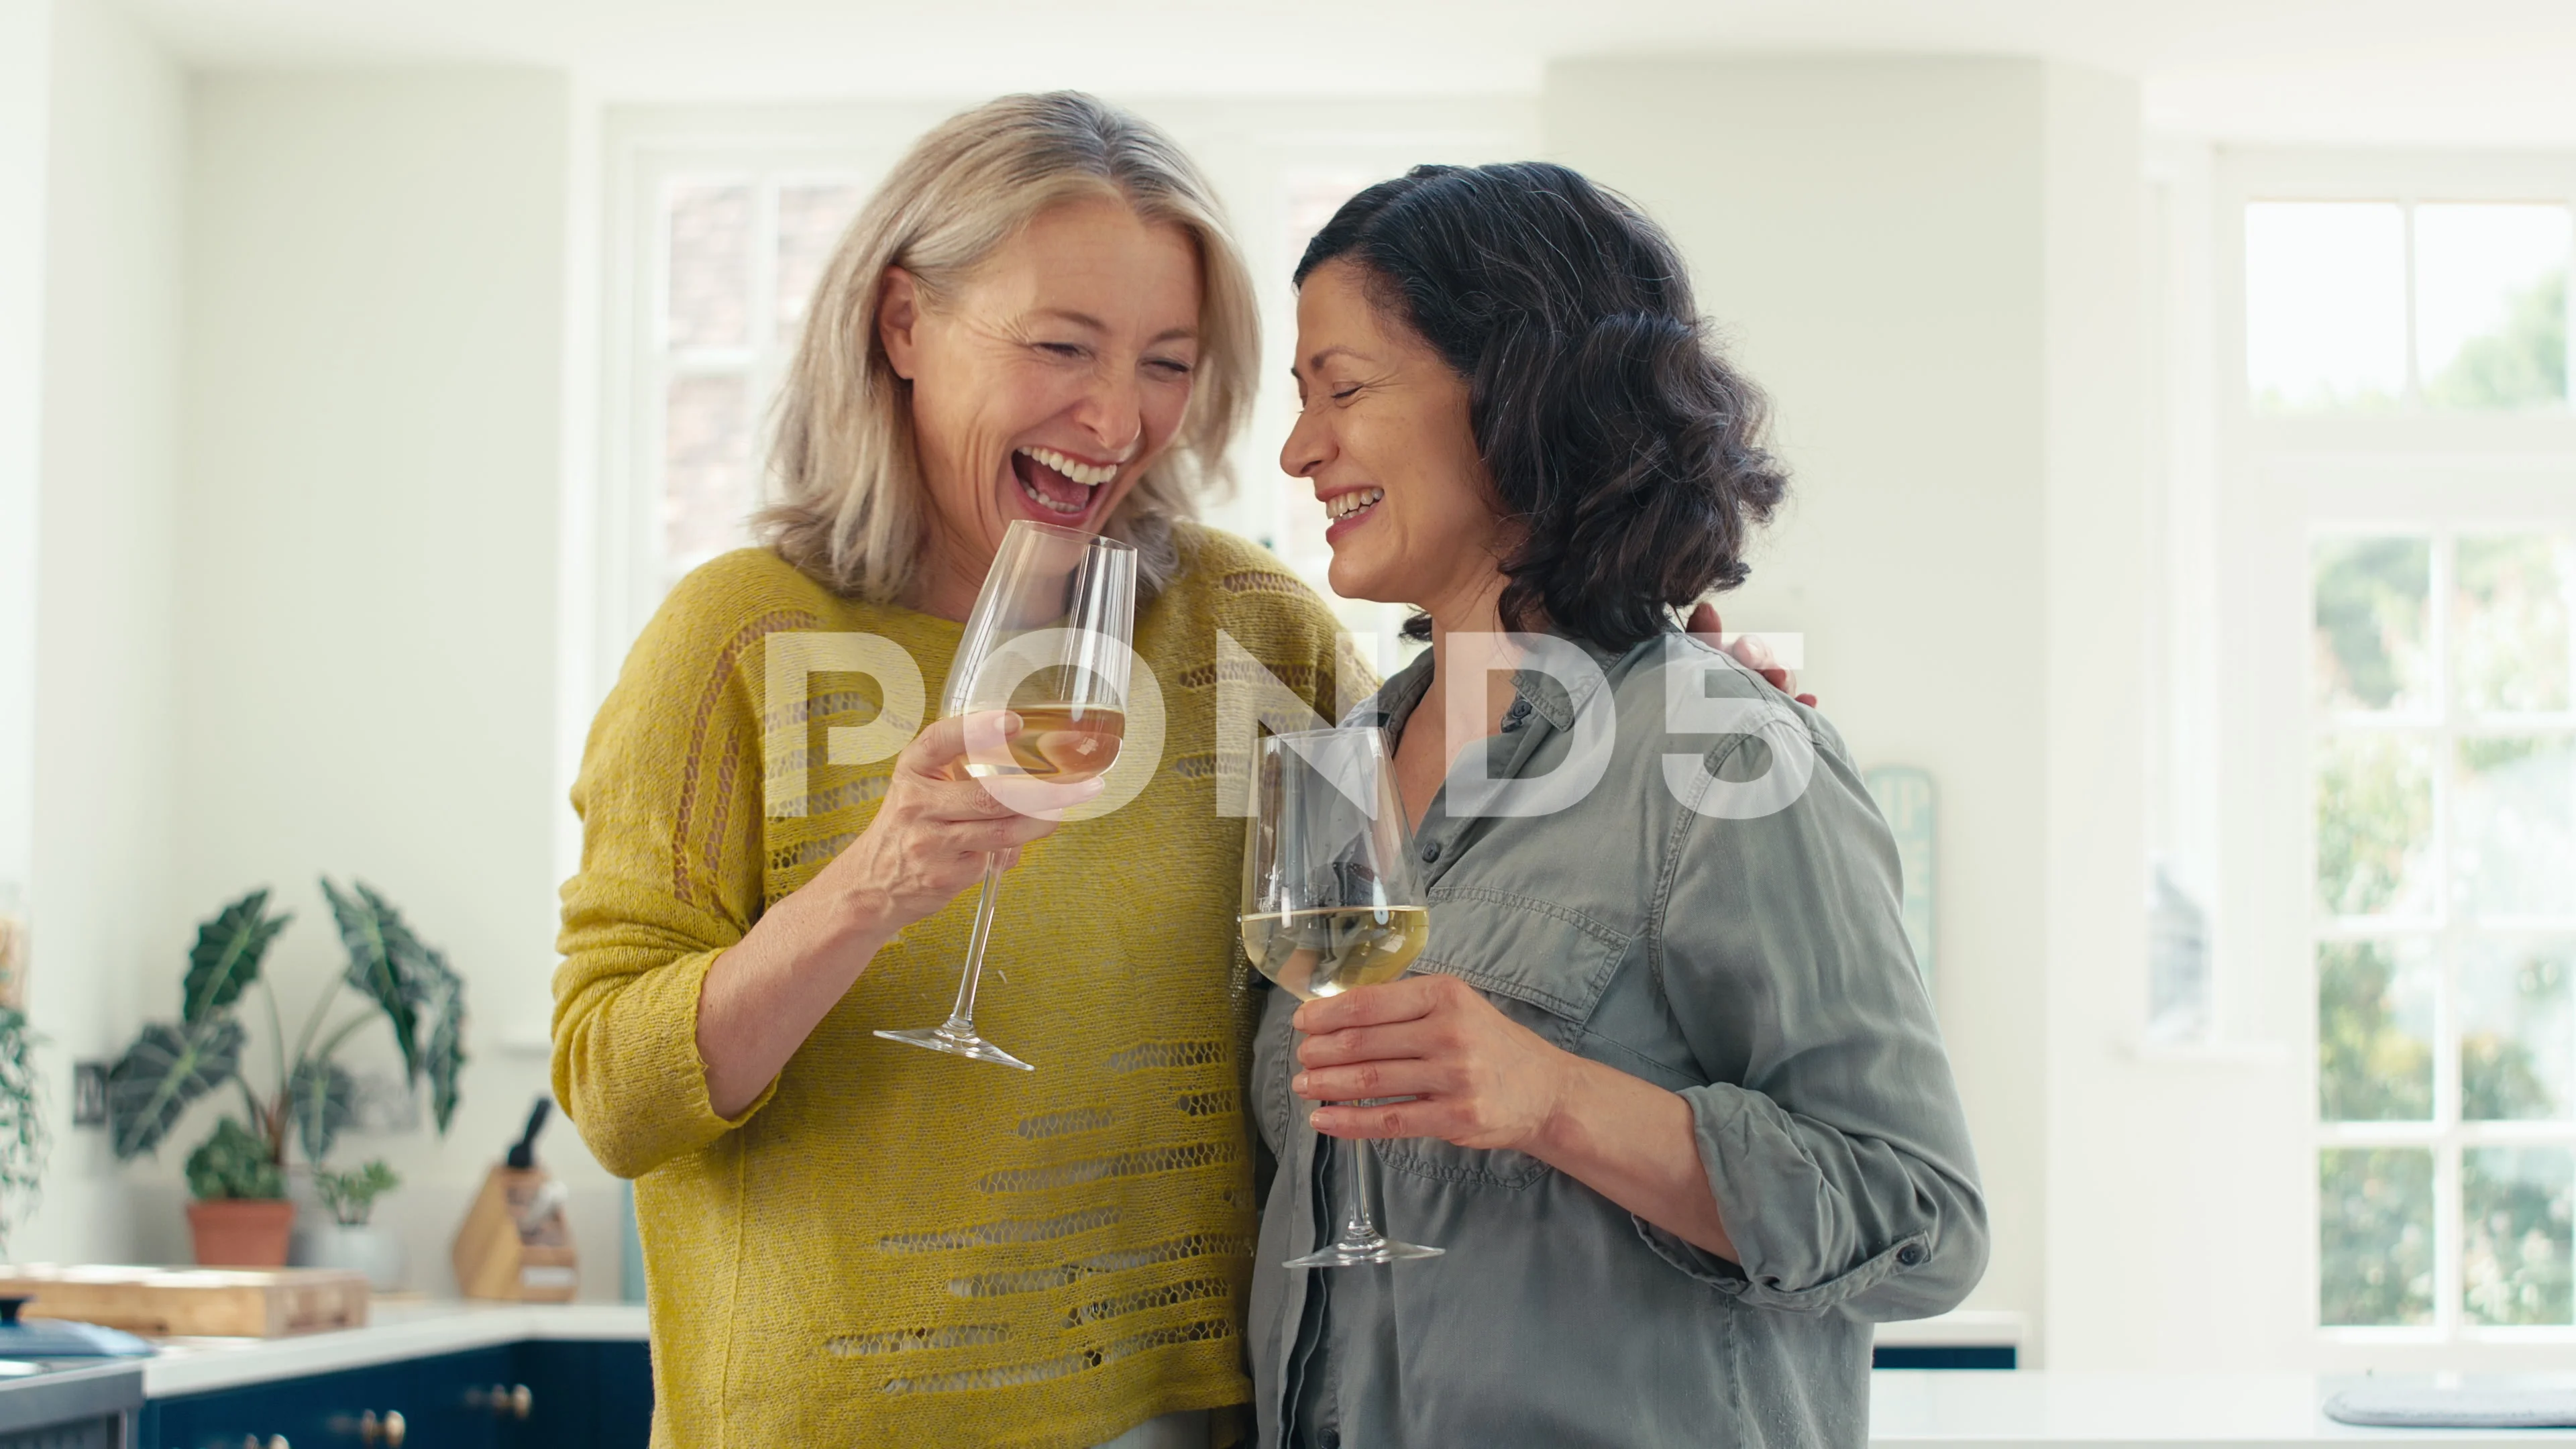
x=374 y=1251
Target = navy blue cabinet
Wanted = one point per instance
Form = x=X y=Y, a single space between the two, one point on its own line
x=576 y=1396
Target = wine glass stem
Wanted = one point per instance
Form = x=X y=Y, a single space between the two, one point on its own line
x=1359 y=1223
x=961 y=1020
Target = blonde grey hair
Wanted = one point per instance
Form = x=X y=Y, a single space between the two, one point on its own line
x=849 y=506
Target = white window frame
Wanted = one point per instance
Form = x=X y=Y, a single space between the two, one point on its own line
x=2281 y=480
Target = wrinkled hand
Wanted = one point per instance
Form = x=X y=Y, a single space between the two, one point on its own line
x=929 y=839
x=1479 y=1078
x=1750 y=649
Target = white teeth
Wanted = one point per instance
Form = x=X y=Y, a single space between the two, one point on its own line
x=1343 y=505
x=1049 y=504
x=1089 y=475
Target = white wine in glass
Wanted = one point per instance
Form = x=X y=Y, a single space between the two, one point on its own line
x=1050 y=641
x=1330 y=903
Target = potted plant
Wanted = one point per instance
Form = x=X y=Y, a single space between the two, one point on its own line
x=348 y=1240
x=397 y=980
x=241 y=1216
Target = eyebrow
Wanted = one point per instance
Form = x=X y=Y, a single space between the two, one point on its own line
x=1085 y=319
x=1316 y=362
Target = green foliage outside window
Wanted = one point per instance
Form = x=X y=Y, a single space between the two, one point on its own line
x=2370 y=1068
x=2370 y=619
x=2374 y=821
x=2376 y=1240
x=2515 y=1208
x=2519 y=365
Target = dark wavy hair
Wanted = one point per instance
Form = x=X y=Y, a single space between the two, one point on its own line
x=1613 y=432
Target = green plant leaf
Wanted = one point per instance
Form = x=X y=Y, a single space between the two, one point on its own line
x=227 y=954
x=167 y=1068
x=384 y=957
x=24 y=1141
x=322 y=1098
x=445 y=1061
x=351 y=1196
x=234 y=1162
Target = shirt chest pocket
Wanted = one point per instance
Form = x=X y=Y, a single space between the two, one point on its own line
x=1541 y=965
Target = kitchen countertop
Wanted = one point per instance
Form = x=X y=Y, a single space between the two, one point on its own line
x=2136 y=1411
x=395 y=1330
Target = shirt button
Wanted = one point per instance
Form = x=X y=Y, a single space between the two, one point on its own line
x=1430 y=853
x=1911 y=1255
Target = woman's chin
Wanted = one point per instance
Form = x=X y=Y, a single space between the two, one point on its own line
x=1353 y=579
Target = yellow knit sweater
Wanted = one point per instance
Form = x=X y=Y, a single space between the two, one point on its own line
x=893 y=1246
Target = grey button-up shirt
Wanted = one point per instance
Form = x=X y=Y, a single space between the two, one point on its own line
x=1718 y=915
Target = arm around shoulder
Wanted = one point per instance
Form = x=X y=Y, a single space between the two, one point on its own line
x=1833 y=1139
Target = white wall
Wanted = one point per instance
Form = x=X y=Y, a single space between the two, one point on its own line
x=106 y=696
x=25 y=66
x=1870 y=235
x=366 y=632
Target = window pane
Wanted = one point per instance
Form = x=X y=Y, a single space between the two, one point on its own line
x=2515 y=825
x=2373 y=623
x=2511 y=601
x=2374 y=1031
x=710 y=298
x=2374 y=824
x=2491 y=305
x=810 y=222
x=2375 y=1235
x=2515 y=1234
x=2517 y=1034
x=2325 y=305
x=706 y=468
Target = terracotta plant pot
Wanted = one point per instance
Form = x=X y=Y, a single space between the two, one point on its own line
x=241 y=1232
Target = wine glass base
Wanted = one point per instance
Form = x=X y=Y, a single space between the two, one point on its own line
x=956 y=1044
x=1348 y=1254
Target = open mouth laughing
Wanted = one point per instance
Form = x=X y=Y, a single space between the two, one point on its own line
x=1059 y=484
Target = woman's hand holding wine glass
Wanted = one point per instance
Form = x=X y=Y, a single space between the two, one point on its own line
x=1047 y=653
x=931 y=835
x=1331 y=904
x=1477 y=1078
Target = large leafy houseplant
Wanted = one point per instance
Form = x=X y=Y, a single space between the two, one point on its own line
x=23 y=1139
x=394 y=976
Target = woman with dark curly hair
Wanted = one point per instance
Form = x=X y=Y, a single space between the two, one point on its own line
x=1667 y=1086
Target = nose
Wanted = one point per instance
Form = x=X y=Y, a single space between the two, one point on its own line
x=1112 y=410
x=1308 y=448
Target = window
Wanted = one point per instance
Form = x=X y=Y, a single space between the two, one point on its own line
x=2445 y=848
x=2380 y=306
x=2396 y=491
x=738 y=256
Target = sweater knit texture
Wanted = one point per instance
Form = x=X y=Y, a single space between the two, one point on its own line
x=892 y=1246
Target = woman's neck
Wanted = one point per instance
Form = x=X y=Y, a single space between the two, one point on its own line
x=949 y=576
x=1467 y=643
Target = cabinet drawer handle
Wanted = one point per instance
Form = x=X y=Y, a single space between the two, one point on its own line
x=523 y=1400
x=387 y=1431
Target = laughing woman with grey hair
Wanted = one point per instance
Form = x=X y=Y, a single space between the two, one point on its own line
x=1038 y=316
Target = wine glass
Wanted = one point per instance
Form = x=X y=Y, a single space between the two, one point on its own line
x=1330 y=901
x=1050 y=641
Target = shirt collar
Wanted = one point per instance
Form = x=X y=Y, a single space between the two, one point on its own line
x=1396 y=699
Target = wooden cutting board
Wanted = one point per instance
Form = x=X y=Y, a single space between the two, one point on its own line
x=192 y=1302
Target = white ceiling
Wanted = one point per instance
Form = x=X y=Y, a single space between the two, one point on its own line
x=2461 y=71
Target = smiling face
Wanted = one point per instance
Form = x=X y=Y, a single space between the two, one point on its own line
x=1384 y=436
x=1045 y=386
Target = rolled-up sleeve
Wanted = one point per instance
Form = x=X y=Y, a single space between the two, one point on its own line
x=669 y=797
x=1832 y=1135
